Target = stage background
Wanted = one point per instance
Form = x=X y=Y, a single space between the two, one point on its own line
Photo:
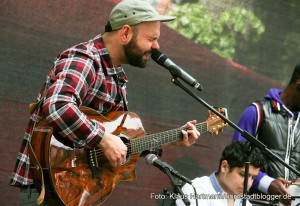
x=34 y=32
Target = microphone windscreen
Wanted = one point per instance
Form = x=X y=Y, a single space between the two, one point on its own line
x=159 y=57
x=150 y=158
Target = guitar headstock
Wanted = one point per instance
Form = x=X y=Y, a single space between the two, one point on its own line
x=215 y=123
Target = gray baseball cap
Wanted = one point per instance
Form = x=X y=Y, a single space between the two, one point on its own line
x=133 y=12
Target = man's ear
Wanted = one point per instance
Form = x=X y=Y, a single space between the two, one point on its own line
x=224 y=165
x=126 y=34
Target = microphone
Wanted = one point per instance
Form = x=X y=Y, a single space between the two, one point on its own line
x=152 y=159
x=164 y=61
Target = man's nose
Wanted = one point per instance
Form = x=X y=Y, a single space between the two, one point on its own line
x=155 y=45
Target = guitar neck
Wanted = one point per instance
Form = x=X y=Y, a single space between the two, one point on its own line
x=139 y=145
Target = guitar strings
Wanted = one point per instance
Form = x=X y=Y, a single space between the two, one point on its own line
x=141 y=144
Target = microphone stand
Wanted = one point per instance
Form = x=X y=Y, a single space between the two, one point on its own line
x=244 y=133
x=247 y=150
x=176 y=183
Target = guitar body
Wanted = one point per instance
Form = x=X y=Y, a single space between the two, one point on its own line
x=79 y=176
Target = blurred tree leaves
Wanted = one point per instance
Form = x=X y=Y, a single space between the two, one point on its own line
x=219 y=34
x=232 y=29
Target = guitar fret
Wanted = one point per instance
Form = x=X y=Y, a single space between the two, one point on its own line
x=152 y=141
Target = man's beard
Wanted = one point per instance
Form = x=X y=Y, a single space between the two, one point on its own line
x=134 y=54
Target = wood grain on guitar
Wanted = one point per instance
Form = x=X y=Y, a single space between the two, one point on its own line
x=78 y=176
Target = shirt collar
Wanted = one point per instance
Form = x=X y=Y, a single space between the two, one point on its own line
x=106 y=60
x=217 y=187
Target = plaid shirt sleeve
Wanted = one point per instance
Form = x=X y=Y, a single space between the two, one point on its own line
x=69 y=81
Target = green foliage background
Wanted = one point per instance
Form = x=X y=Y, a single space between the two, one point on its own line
x=219 y=34
x=261 y=35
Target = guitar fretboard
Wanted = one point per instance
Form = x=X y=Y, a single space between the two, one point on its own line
x=139 y=145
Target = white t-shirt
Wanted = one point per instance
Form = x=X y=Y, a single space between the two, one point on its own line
x=209 y=193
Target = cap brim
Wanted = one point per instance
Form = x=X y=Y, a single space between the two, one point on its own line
x=162 y=18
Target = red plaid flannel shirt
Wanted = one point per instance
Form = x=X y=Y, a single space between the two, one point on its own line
x=81 y=76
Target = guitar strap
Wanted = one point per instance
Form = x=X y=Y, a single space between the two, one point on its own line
x=124 y=101
x=120 y=84
x=33 y=157
x=39 y=168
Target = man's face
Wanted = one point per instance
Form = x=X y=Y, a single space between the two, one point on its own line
x=233 y=180
x=144 y=40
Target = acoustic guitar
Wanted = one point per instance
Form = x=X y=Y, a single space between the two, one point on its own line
x=78 y=176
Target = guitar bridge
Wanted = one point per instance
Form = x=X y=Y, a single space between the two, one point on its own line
x=93 y=162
